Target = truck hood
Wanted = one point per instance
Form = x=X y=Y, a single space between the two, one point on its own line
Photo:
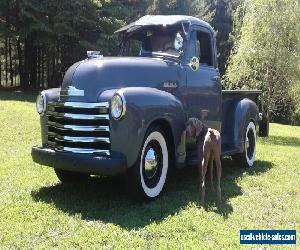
x=86 y=80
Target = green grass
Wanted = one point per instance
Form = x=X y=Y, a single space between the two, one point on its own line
x=36 y=211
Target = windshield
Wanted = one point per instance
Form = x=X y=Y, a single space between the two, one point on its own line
x=153 y=41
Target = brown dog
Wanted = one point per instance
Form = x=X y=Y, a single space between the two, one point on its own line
x=209 y=150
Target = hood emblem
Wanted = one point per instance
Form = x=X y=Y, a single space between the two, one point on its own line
x=73 y=91
x=171 y=85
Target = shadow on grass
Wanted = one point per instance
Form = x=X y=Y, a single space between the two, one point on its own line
x=281 y=140
x=231 y=171
x=107 y=200
x=16 y=95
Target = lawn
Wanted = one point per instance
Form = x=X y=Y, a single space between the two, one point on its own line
x=36 y=211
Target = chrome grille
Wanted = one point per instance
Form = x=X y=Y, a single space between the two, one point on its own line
x=79 y=127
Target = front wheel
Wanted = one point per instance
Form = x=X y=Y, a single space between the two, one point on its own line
x=150 y=172
x=247 y=157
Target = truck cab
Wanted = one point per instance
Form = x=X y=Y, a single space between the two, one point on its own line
x=127 y=114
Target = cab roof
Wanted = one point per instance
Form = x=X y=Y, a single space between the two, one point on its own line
x=164 y=20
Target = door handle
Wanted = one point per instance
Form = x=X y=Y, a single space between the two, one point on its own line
x=215 y=78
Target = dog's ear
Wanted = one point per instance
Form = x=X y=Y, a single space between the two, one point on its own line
x=190 y=122
x=198 y=126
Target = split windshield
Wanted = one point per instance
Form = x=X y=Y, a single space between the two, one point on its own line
x=153 y=41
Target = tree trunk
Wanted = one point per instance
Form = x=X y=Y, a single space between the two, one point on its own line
x=33 y=66
x=58 y=66
x=38 y=66
x=6 y=63
x=15 y=67
x=0 y=70
x=21 y=69
x=10 y=63
x=26 y=65
x=53 y=69
x=43 y=69
x=48 y=67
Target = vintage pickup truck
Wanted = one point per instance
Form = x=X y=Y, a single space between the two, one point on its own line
x=128 y=113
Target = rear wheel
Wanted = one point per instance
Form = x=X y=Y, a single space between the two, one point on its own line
x=247 y=157
x=70 y=177
x=150 y=172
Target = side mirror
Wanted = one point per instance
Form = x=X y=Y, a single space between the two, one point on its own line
x=194 y=63
x=178 y=42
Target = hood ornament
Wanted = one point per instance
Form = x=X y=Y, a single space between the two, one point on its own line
x=93 y=54
x=72 y=91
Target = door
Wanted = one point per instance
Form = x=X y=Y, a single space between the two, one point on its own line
x=203 y=93
x=203 y=97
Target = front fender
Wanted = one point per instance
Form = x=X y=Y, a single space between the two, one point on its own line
x=52 y=95
x=144 y=106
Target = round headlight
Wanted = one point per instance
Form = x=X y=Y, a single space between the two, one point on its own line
x=41 y=103
x=118 y=106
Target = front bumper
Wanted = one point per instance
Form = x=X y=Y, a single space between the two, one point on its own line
x=84 y=163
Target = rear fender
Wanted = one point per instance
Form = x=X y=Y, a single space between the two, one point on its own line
x=244 y=111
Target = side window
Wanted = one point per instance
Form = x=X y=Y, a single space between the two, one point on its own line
x=133 y=48
x=194 y=46
x=201 y=47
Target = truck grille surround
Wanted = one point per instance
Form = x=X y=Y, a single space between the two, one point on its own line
x=79 y=127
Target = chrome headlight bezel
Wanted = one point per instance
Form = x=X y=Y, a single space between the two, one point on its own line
x=118 y=106
x=41 y=103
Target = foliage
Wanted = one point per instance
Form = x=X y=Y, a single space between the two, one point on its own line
x=267 y=53
x=113 y=15
x=222 y=21
x=197 y=8
x=43 y=38
x=36 y=211
x=40 y=39
x=294 y=92
x=218 y=13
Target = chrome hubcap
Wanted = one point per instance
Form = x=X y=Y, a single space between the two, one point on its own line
x=247 y=143
x=150 y=163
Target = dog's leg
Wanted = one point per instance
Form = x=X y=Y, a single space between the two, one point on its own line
x=200 y=164
x=219 y=173
x=211 y=165
x=205 y=160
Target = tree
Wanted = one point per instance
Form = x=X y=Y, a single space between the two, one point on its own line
x=217 y=12
x=222 y=22
x=46 y=36
x=266 y=55
x=197 y=8
x=113 y=15
x=42 y=38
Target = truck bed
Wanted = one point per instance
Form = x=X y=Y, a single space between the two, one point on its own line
x=234 y=94
x=229 y=100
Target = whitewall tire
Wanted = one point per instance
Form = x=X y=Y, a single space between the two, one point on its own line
x=250 y=144
x=150 y=172
x=248 y=156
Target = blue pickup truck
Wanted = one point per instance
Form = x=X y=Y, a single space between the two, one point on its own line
x=128 y=113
